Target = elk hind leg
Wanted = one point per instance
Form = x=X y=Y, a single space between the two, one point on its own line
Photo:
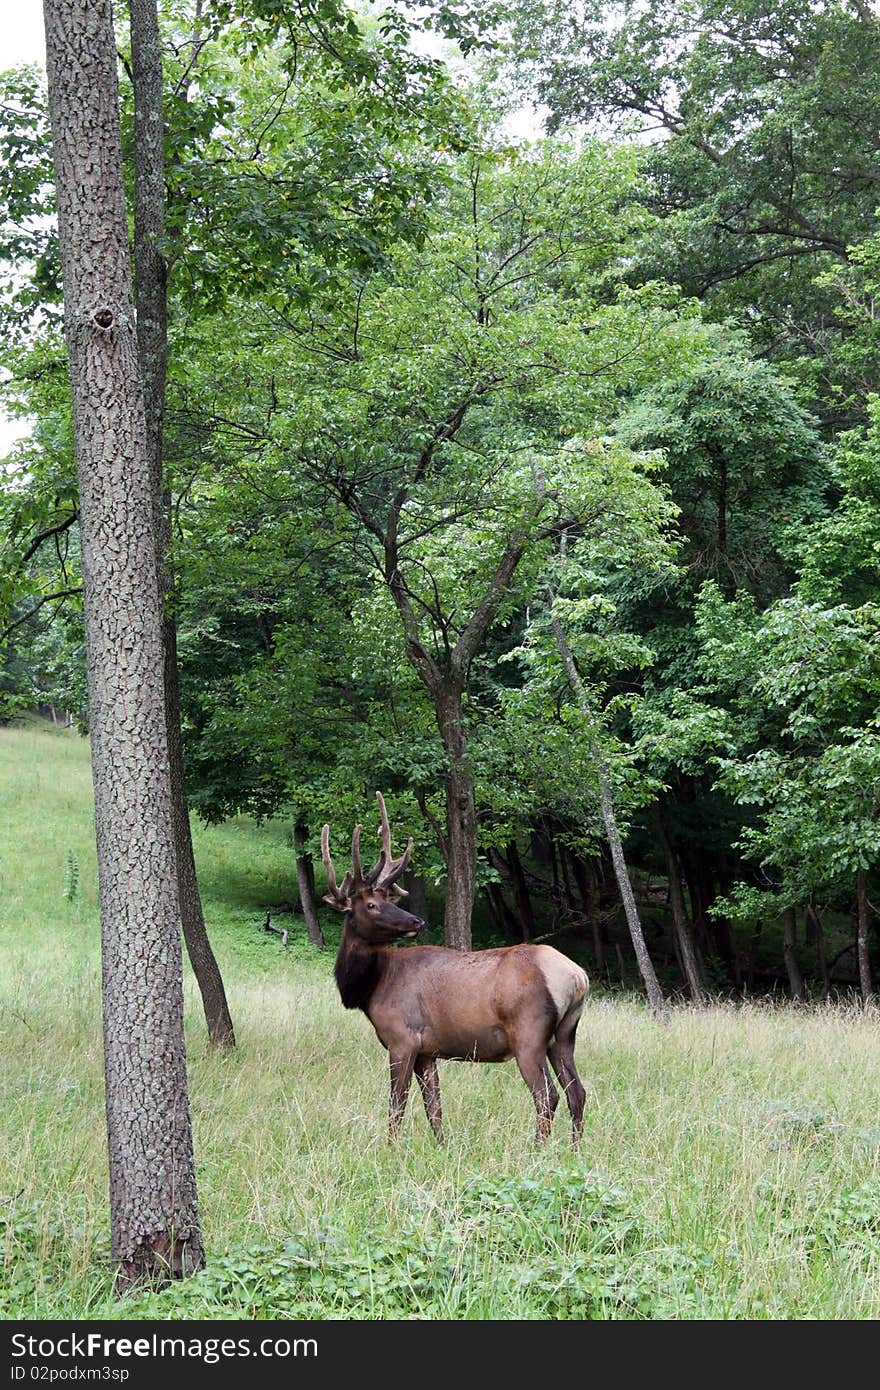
x=561 y=1054
x=429 y=1082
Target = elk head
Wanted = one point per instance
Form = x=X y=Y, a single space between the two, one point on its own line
x=370 y=899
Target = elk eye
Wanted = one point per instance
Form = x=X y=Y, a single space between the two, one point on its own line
x=371 y=906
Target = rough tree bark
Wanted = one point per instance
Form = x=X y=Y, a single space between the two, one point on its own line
x=305 y=883
x=659 y=1006
x=152 y=332
x=153 y=1208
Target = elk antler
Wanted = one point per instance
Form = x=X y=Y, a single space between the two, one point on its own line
x=357 y=873
x=338 y=893
x=387 y=869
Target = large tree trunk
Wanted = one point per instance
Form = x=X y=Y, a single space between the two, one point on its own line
x=153 y=1209
x=659 y=1006
x=789 y=952
x=461 y=822
x=152 y=327
x=306 y=885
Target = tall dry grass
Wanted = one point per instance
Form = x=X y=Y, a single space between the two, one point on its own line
x=729 y=1167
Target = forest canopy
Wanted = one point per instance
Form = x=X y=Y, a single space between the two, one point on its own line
x=430 y=383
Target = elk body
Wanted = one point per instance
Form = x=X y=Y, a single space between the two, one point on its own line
x=430 y=1002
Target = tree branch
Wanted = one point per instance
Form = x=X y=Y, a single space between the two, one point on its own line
x=47 y=598
x=483 y=616
x=46 y=535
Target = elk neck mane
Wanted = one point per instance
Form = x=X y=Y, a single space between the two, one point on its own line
x=358 y=970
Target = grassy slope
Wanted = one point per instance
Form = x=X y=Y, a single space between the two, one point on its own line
x=729 y=1167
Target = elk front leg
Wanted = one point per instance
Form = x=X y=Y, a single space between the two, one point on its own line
x=429 y=1082
x=401 y=1076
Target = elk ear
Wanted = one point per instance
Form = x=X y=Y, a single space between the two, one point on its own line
x=334 y=902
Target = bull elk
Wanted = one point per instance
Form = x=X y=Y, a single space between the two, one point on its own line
x=431 y=1002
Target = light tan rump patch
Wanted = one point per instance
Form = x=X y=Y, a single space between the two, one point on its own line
x=567 y=982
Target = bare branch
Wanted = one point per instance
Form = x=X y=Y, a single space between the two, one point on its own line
x=46 y=535
x=26 y=617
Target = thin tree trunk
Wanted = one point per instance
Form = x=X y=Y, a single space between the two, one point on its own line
x=553 y=861
x=789 y=952
x=722 y=502
x=153 y=1209
x=567 y=889
x=461 y=822
x=699 y=920
x=201 y=956
x=305 y=883
x=589 y=891
x=492 y=904
x=753 y=955
x=681 y=926
x=520 y=893
x=712 y=933
x=417 y=897
x=504 y=917
x=152 y=329
x=816 y=930
x=659 y=1006
x=863 y=917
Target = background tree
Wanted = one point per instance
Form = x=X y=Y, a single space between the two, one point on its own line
x=761 y=122
x=375 y=404
x=152 y=331
x=448 y=373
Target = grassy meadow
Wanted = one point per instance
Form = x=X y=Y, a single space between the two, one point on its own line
x=729 y=1167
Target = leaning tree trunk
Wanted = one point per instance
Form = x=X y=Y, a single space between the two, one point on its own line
x=461 y=822
x=152 y=327
x=153 y=1209
x=201 y=956
x=659 y=1006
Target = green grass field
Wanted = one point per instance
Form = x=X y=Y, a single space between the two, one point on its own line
x=729 y=1167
